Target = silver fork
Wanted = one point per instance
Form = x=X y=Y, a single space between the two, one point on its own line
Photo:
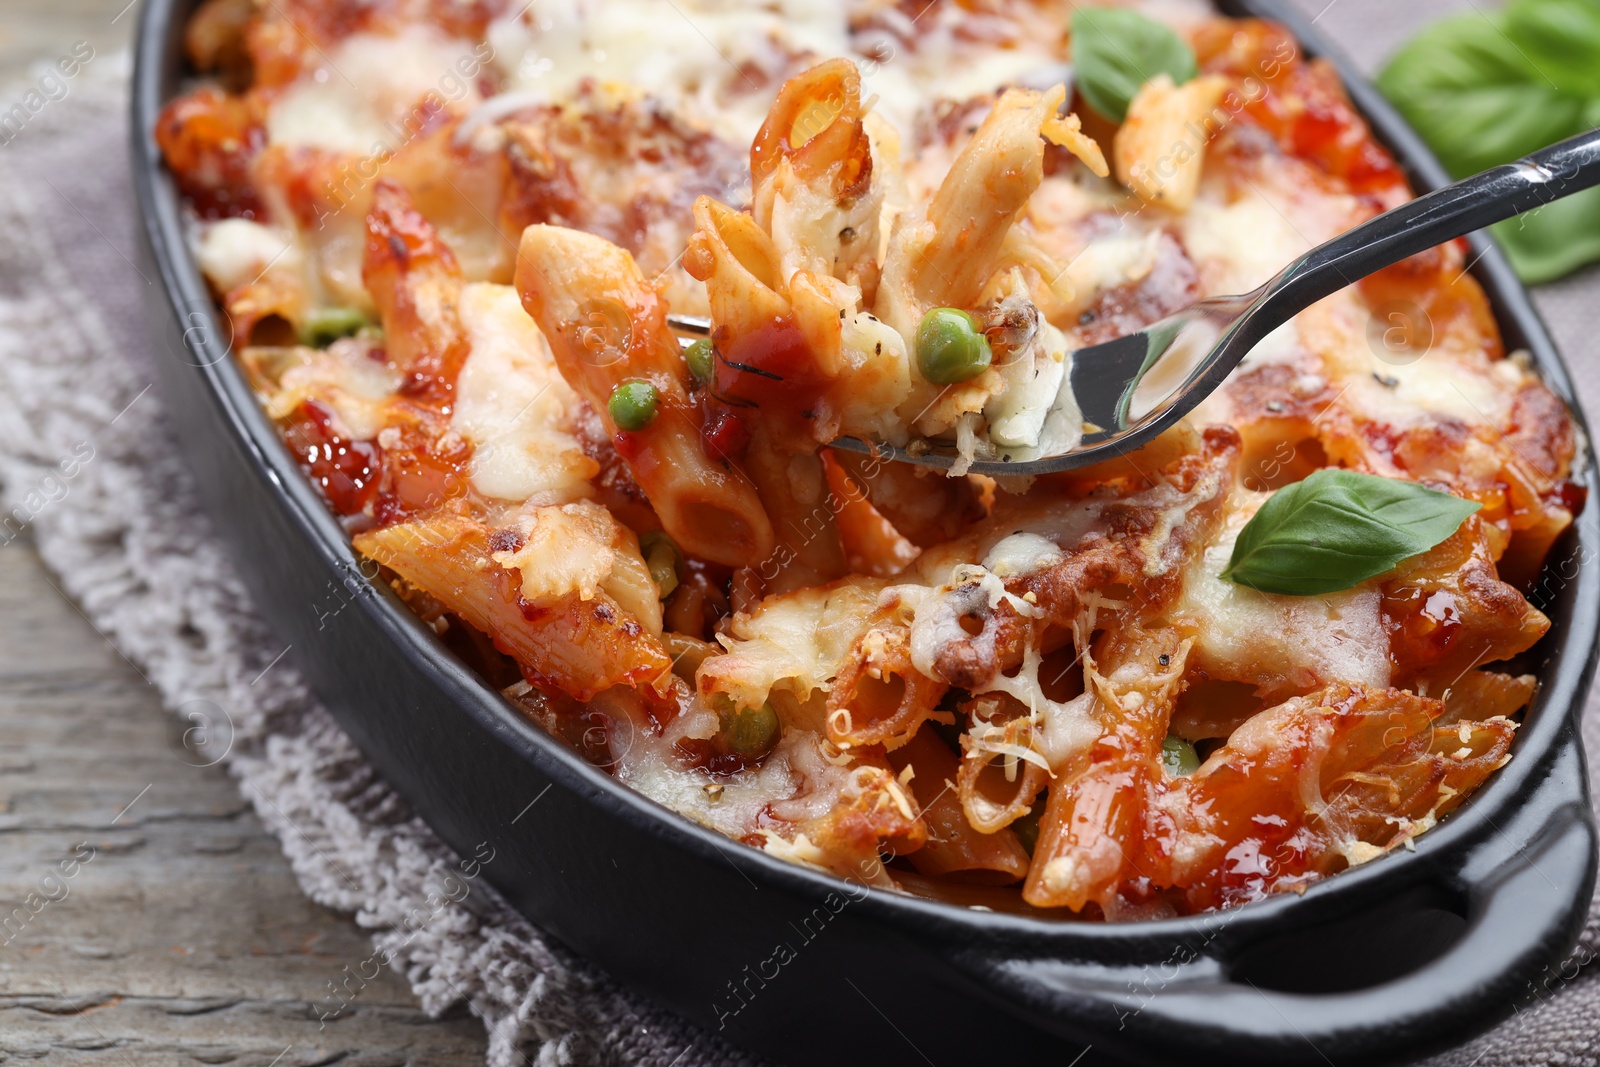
x=1130 y=389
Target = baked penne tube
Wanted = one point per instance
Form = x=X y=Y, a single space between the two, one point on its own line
x=580 y=645
x=1095 y=816
x=606 y=326
x=813 y=171
x=955 y=846
x=416 y=283
x=989 y=182
x=925 y=508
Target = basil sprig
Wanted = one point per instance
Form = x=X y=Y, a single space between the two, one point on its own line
x=1338 y=528
x=1115 y=51
x=1488 y=87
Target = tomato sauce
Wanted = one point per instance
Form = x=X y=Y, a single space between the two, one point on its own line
x=346 y=471
x=769 y=370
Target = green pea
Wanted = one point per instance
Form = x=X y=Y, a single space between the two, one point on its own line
x=700 y=357
x=632 y=405
x=661 y=555
x=749 y=731
x=1179 y=757
x=326 y=325
x=951 y=347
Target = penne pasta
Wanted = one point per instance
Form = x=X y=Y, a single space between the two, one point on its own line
x=1160 y=149
x=955 y=847
x=579 y=645
x=607 y=326
x=813 y=177
x=415 y=282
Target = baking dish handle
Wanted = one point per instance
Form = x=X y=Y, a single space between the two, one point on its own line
x=1526 y=890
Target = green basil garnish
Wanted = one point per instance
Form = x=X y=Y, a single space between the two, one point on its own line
x=1488 y=88
x=1338 y=528
x=1115 y=51
x=1562 y=37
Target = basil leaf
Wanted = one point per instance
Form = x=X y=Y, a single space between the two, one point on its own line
x=1474 y=98
x=1555 y=240
x=1115 y=51
x=1488 y=88
x=1561 y=39
x=1338 y=528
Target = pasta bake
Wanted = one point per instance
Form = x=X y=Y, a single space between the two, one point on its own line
x=447 y=237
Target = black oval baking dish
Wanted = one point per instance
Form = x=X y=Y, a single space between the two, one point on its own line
x=1412 y=952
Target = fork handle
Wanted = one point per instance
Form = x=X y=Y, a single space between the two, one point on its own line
x=1549 y=174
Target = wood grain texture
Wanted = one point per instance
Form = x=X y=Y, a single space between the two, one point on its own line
x=184 y=938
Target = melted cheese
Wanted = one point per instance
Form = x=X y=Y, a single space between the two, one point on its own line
x=936 y=621
x=514 y=406
x=796 y=782
x=717 y=59
x=1245 y=635
x=347 y=380
x=1119 y=258
x=1017 y=417
x=235 y=252
x=365 y=98
x=565 y=549
x=797 y=640
x=1417 y=384
x=1242 y=244
x=1021 y=553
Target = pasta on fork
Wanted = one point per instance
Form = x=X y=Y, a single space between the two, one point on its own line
x=1091 y=695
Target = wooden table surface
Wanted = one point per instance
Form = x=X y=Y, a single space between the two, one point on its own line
x=184 y=937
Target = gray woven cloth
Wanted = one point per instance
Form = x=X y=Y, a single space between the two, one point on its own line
x=122 y=535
